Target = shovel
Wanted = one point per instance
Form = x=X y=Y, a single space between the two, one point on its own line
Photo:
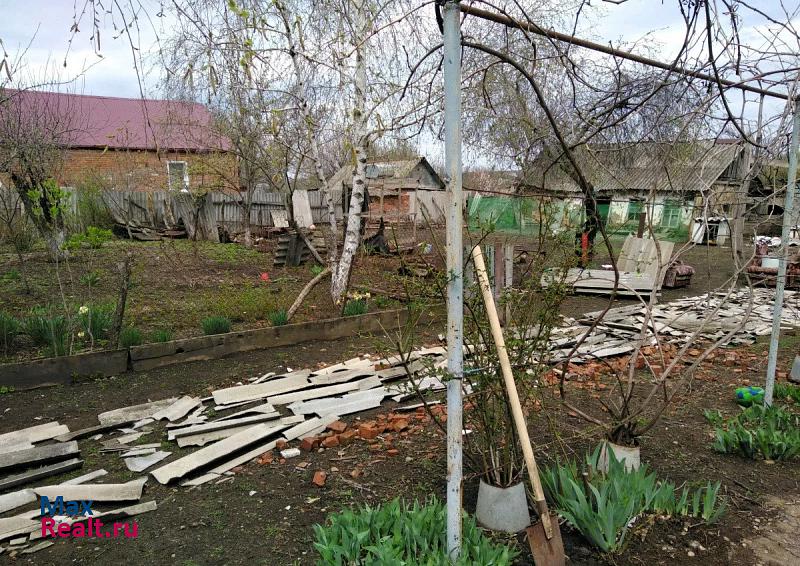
x=544 y=536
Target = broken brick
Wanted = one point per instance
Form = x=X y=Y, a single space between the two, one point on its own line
x=399 y=424
x=319 y=478
x=393 y=452
x=281 y=444
x=330 y=442
x=337 y=426
x=347 y=437
x=367 y=432
x=309 y=443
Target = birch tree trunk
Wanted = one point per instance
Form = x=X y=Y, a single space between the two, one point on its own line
x=352 y=238
x=248 y=205
x=302 y=99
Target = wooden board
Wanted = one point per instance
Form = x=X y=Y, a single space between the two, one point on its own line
x=61 y=370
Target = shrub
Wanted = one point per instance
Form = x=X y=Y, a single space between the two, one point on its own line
x=94 y=321
x=355 y=307
x=9 y=328
x=278 y=318
x=216 y=325
x=162 y=335
x=91 y=279
x=772 y=433
x=93 y=238
x=130 y=336
x=48 y=329
x=602 y=505
x=399 y=533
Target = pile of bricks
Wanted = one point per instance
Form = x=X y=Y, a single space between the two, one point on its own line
x=340 y=433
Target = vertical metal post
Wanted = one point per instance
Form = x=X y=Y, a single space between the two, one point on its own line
x=455 y=269
x=780 y=283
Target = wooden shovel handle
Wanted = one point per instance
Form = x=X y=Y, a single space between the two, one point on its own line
x=511 y=389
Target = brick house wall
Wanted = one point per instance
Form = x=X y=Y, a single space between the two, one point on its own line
x=146 y=170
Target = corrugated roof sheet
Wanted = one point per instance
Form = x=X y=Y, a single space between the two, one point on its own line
x=505 y=182
x=397 y=169
x=123 y=123
x=639 y=167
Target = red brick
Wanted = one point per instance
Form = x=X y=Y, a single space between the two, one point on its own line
x=368 y=432
x=347 y=437
x=281 y=444
x=319 y=478
x=309 y=443
x=330 y=442
x=399 y=424
x=337 y=426
x=140 y=170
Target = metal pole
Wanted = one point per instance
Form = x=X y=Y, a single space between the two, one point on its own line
x=455 y=268
x=780 y=283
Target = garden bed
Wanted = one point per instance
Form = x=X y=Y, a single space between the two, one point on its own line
x=265 y=514
x=176 y=285
x=62 y=370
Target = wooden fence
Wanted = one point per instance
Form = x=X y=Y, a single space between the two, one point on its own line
x=161 y=209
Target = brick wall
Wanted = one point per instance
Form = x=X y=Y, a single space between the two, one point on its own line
x=132 y=170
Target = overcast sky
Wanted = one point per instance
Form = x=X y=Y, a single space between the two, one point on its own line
x=43 y=27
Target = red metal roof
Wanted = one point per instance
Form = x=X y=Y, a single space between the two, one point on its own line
x=126 y=123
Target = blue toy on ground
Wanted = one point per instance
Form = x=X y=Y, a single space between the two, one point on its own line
x=746 y=396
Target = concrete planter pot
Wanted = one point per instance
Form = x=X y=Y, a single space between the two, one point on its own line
x=628 y=455
x=503 y=509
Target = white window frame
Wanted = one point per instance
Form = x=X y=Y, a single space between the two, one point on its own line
x=185 y=186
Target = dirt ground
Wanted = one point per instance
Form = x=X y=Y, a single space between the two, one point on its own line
x=178 y=283
x=265 y=515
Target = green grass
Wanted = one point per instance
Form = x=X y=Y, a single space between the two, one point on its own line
x=279 y=317
x=161 y=335
x=130 y=336
x=9 y=329
x=355 y=307
x=216 y=325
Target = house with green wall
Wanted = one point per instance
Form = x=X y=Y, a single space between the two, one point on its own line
x=672 y=183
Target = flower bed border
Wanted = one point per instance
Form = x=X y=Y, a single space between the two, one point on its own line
x=62 y=370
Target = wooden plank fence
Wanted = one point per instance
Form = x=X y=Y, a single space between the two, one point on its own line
x=157 y=209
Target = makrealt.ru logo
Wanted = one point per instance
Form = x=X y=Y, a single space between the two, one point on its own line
x=59 y=507
x=75 y=527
